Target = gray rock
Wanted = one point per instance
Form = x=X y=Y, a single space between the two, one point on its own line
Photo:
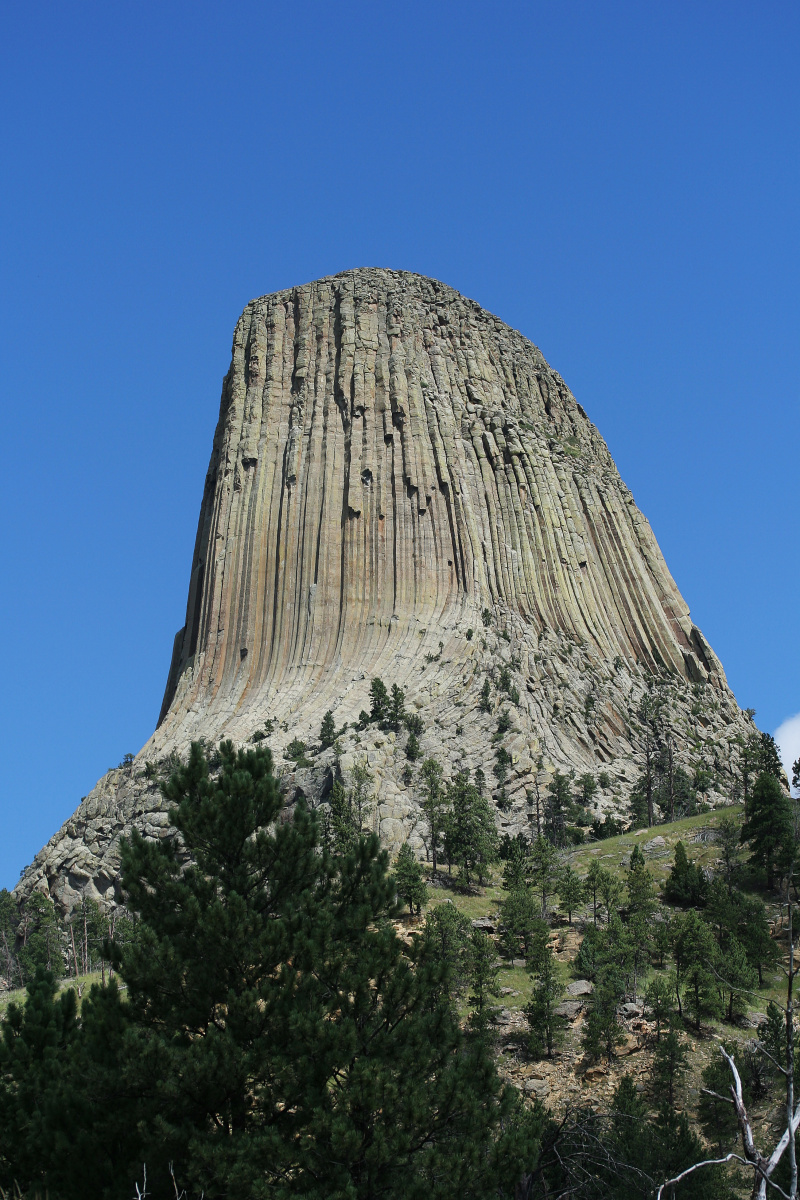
x=383 y=395
x=568 y=1009
x=580 y=987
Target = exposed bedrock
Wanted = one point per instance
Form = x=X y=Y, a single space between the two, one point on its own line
x=389 y=461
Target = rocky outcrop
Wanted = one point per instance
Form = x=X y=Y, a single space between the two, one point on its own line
x=400 y=486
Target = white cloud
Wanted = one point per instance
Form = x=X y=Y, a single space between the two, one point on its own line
x=787 y=735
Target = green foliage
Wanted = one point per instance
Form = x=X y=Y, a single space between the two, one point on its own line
x=604 y=779
x=42 y=940
x=571 y=892
x=641 y=889
x=470 y=634
x=327 y=733
x=670 y=1062
x=501 y=765
x=716 y=1116
x=587 y=789
x=296 y=752
x=435 y=804
x=240 y=1061
x=414 y=724
x=524 y=932
x=557 y=807
x=660 y=1001
x=686 y=883
x=486 y=617
x=413 y=748
x=594 y=877
x=484 y=700
x=602 y=1031
x=769 y=758
x=737 y=978
x=768 y=827
x=396 y=709
x=470 y=836
x=546 y=1026
x=379 y=700
x=695 y=955
x=409 y=879
x=483 y=972
x=504 y=724
x=446 y=935
x=729 y=840
x=544 y=866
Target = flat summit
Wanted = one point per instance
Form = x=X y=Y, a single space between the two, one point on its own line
x=400 y=486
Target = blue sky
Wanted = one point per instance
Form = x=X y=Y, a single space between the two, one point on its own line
x=619 y=181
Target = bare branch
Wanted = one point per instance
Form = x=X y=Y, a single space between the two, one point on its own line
x=708 y=1162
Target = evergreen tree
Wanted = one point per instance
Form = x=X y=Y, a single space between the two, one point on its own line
x=570 y=891
x=483 y=971
x=602 y=1031
x=594 y=877
x=546 y=1026
x=343 y=829
x=434 y=804
x=768 y=827
x=558 y=807
x=379 y=700
x=737 y=978
x=729 y=841
x=471 y=835
x=42 y=938
x=685 y=884
x=611 y=889
x=515 y=853
x=670 y=1062
x=413 y=748
x=640 y=886
x=446 y=934
x=485 y=697
x=409 y=879
x=695 y=954
x=659 y=999
x=544 y=866
x=769 y=758
x=524 y=932
x=327 y=733
x=396 y=708
x=348 y=1081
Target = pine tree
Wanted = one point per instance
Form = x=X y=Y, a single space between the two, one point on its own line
x=670 y=1062
x=483 y=971
x=379 y=700
x=736 y=976
x=695 y=954
x=570 y=891
x=434 y=804
x=524 y=932
x=640 y=885
x=594 y=877
x=327 y=733
x=659 y=998
x=353 y=1080
x=544 y=869
x=546 y=1026
x=409 y=879
x=685 y=883
x=471 y=835
x=768 y=827
x=485 y=699
x=396 y=708
x=446 y=934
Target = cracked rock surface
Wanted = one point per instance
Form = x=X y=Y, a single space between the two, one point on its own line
x=391 y=464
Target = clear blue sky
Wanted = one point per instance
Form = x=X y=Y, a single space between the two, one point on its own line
x=619 y=181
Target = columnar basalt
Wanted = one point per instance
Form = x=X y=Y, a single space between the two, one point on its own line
x=392 y=468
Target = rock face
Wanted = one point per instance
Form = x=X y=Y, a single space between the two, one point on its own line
x=400 y=486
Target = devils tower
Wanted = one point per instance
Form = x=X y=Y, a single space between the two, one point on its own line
x=400 y=486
